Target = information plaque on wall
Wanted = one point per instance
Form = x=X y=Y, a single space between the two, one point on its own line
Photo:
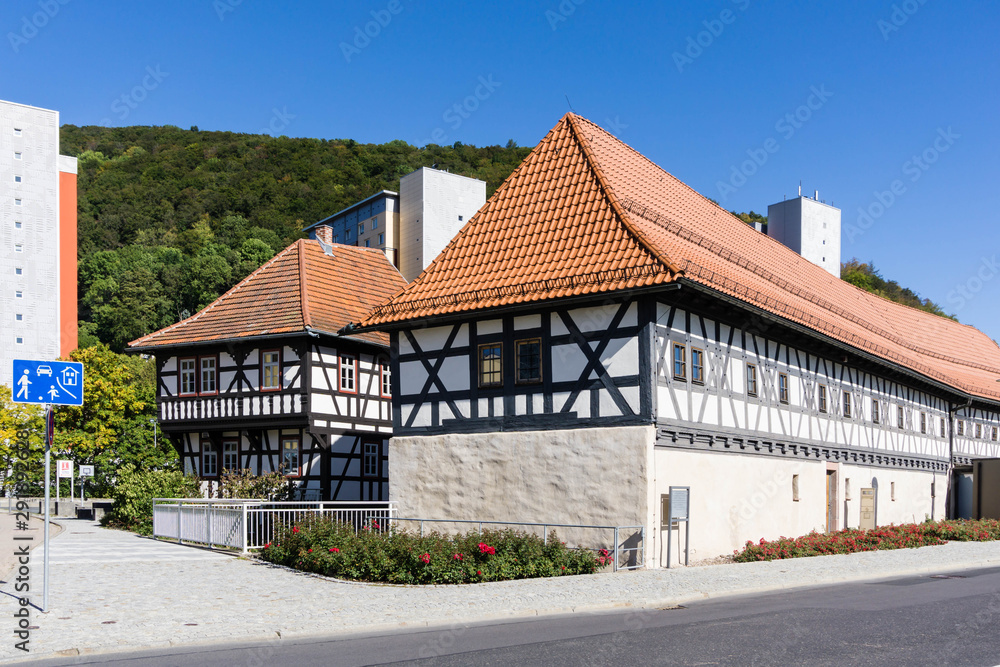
x=679 y=503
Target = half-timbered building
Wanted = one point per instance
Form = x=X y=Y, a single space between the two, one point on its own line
x=262 y=380
x=600 y=332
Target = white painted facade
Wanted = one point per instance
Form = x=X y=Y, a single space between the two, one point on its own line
x=809 y=227
x=29 y=234
x=434 y=205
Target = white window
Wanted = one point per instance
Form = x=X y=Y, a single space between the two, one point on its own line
x=188 y=377
x=17 y=224
x=19 y=317
x=17 y=155
x=361 y=228
x=336 y=238
x=347 y=234
x=17 y=131
x=374 y=223
x=290 y=457
x=371 y=459
x=460 y=218
x=20 y=341
x=18 y=271
x=270 y=370
x=18 y=247
x=368 y=243
x=17 y=179
x=348 y=373
x=230 y=455
x=17 y=202
x=923 y=422
x=207 y=365
x=209 y=459
x=381 y=239
x=386 y=378
x=18 y=294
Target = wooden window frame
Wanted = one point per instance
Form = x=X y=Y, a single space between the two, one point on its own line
x=996 y=433
x=823 y=400
x=847 y=405
x=180 y=376
x=377 y=455
x=751 y=379
x=900 y=417
x=479 y=366
x=340 y=373
x=876 y=412
x=679 y=362
x=298 y=455
x=944 y=429
x=979 y=431
x=215 y=452
x=384 y=373
x=923 y=423
x=697 y=369
x=215 y=360
x=783 y=388
x=960 y=427
x=517 y=361
x=230 y=441
x=280 y=376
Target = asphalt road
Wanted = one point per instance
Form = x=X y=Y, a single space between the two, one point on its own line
x=919 y=620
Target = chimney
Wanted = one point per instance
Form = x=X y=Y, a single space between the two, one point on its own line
x=324 y=233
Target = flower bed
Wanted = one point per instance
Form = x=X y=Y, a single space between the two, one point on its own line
x=905 y=536
x=378 y=554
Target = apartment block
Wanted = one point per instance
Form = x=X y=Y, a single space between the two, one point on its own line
x=38 y=215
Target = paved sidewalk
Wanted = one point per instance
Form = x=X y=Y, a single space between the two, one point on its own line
x=143 y=594
x=9 y=530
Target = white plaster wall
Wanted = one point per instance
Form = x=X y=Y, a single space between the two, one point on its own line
x=735 y=498
x=578 y=476
x=913 y=501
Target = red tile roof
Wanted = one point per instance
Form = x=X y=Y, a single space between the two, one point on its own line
x=301 y=287
x=586 y=214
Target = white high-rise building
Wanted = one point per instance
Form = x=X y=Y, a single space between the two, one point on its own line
x=810 y=227
x=434 y=205
x=411 y=226
x=38 y=274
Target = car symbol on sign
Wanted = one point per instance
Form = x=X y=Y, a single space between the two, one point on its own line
x=45 y=370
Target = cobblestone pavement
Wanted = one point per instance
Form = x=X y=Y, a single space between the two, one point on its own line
x=122 y=592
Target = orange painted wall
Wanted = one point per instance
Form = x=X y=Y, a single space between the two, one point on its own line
x=67 y=263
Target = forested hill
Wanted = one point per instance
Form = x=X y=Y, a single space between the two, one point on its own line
x=169 y=218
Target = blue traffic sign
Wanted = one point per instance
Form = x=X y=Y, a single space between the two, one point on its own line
x=48 y=382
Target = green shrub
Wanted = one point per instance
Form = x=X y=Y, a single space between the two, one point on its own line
x=245 y=484
x=379 y=554
x=133 y=496
x=852 y=540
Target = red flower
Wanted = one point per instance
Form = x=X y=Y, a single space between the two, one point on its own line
x=457 y=557
x=479 y=572
x=310 y=551
x=334 y=550
x=267 y=546
x=374 y=524
x=426 y=558
x=486 y=549
x=295 y=529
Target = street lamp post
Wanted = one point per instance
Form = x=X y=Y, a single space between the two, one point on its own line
x=152 y=421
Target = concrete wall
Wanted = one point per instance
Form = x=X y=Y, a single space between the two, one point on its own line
x=577 y=476
x=29 y=149
x=913 y=502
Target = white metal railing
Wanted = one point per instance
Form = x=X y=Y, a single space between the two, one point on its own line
x=627 y=541
x=246 y=524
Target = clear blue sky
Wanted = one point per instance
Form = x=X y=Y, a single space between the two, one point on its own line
x=895 y=86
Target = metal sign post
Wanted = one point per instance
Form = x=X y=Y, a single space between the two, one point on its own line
x=48 y=383
x=49 y=424
x=679 y=509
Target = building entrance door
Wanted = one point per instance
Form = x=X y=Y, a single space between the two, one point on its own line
x=831 y=501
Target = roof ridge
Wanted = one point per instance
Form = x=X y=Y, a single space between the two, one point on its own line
x=612 y=198
x=204 y=311
x=303 y=289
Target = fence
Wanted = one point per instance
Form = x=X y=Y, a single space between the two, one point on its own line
x=628 y=541
x=250 y=524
